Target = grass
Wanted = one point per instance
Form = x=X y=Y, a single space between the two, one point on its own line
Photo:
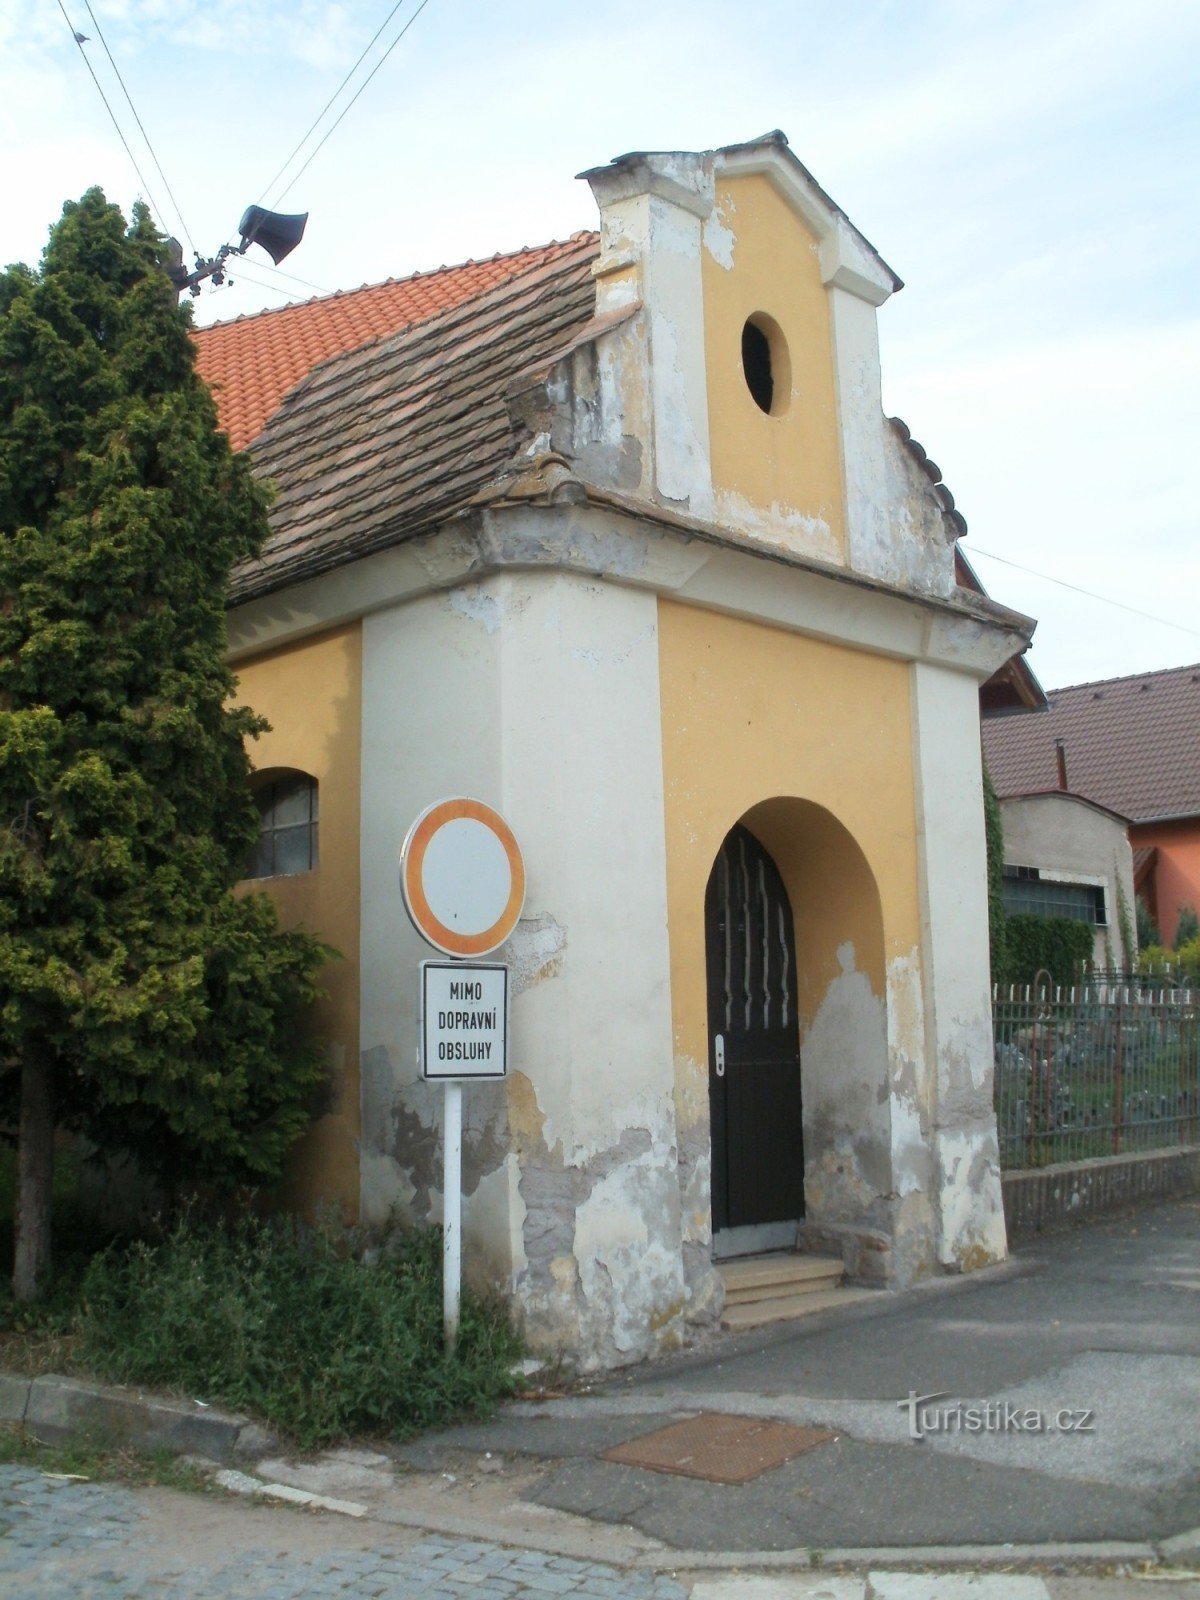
x=84 y=1457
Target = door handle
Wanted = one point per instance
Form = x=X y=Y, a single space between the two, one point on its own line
x=719 y=1050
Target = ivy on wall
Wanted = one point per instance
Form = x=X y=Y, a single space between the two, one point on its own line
x=1058 y=945
x=993 y=828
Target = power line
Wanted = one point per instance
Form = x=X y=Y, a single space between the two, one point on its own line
x=329 y=102
x=78 y=37
x=138 y=120
x=262 y=283
x=1090 y=593
x=266 y=266
x=354 y=98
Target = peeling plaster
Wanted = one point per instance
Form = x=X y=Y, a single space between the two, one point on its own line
x=848 y=1154
x=478 y=604
x=779 y=525
x=494 y=1221
x=681 y=455
x=603 y=1270
x=631 y=1277
x=910 y=1150
x=970 y=1199
x=385 y=1193
x=720 y=239
x=535 y=952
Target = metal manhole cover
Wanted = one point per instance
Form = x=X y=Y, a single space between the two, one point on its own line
x=718 y=1448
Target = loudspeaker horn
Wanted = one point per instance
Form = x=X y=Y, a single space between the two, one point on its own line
x=277 y=234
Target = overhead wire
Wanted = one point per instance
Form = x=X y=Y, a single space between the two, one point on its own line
x=306 y=283
x=317 y=119
x=154 y=205
x=325 y=137
x=262 y=283
x=141 y=126
x=1090 y=593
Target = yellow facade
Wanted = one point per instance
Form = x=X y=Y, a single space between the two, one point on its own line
x=311 y=693
x=785 y=466
x=809 y=744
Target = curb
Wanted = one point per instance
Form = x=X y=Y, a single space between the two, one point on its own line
x=57 y=1408
x=1080 y=1557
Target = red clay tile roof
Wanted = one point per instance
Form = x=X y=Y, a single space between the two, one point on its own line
x=1132 y=744
x=252 y=362
x=388 y=440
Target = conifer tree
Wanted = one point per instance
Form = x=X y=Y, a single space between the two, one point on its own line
x=141 y=1004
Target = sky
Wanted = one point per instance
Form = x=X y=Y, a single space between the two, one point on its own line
x=1030 y=168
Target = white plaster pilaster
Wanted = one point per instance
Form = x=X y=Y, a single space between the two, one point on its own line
x=952 y=875
x=652 y=213
x=858 y=382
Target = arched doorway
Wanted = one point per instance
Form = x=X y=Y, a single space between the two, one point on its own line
x=754 y=1051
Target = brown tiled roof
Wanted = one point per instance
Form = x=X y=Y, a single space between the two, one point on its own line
x=1132 y=744
x=389 y=439
x=252 y=362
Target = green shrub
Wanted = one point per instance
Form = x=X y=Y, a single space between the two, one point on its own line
x=1182 y=964
x=1058 y=945
x=285 y=1321
x=1187 y=930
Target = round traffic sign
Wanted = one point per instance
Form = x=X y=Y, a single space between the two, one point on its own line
x=462 y=877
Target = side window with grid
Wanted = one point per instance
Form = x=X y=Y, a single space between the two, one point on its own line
x=1027 y=893
x=288 y=841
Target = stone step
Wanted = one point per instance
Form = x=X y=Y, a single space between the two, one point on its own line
x=768 y=1277
x=748 y=1294
x=786 y=1308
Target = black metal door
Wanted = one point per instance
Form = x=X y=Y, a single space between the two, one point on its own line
x=754 y=1040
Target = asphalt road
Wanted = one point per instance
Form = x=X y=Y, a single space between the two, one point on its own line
x=1102 y=1322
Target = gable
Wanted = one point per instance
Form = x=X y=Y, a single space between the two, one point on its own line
x=777 y=473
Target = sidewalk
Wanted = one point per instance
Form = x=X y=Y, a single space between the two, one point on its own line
x=1103 y=1323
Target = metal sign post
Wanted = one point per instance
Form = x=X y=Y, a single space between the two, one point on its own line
x=464 y=1035
x=452 y=1214
x=463 y=882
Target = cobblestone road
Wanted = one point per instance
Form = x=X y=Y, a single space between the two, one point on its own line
x=92 y=1541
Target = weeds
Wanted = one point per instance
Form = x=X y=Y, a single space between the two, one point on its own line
x=285 y=1321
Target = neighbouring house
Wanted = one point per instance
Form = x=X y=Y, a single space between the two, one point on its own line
x=1129 y=745
x=614 y=536
x=1065 y=856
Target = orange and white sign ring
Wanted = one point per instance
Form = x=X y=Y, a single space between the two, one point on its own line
x=463 y=877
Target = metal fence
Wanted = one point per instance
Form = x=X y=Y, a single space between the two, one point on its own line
x=1094 y=1071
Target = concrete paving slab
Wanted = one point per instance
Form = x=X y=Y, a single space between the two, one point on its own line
x=817 y=1586
x=954 y=1586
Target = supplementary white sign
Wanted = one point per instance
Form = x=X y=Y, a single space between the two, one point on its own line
x=464 y=1020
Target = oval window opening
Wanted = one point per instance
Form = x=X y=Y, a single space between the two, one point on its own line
x=765 y=364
